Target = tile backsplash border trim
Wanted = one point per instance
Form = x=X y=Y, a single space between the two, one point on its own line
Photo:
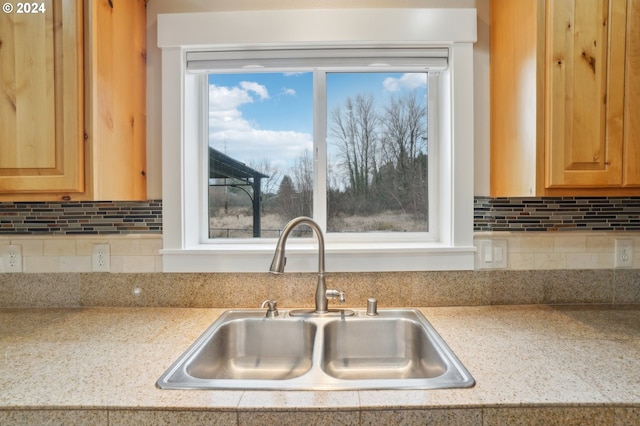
x=490 y=214
x=81 y=218
x=556 y=214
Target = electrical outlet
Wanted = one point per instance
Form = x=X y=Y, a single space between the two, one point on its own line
x=12 y=258
x=101 y=258
x=624 y=253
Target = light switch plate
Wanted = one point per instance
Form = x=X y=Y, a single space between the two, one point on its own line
x=492 y=254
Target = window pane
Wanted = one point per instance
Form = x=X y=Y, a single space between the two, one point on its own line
x=377 y=152
x=260 y=151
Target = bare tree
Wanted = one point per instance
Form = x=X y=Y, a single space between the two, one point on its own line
x=404 y=131
x=384 y=156
x=302 y=172
x=355 y=130
x=265 y=166
x=404 y=148
x=287 y=206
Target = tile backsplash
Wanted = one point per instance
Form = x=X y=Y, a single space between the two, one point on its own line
x=561 y=250
x=81 y=217
x=557 y=214
x=65 y=253
x=490 y=214
x=59 y=237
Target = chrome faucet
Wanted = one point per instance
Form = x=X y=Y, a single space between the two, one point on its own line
x=322 y=294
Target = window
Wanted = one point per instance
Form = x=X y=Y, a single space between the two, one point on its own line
x=265 y=122
x=265 y=165
x=377 y=152
x=372 y=138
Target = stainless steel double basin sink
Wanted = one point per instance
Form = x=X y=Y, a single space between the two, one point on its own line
x=396 y=349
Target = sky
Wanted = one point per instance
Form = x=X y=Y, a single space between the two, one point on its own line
x=253 y=116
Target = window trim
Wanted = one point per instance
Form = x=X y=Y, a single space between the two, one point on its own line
x=179 y=34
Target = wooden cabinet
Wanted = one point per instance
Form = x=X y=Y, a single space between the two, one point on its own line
x=73 y=102
x=116 y=113
x=41 y=100
x=563 y=113
x=631 y=143
x=585 y=92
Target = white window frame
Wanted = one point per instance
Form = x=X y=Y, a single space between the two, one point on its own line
x=184 y=164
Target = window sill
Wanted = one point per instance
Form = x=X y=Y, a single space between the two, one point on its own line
x=339 y=257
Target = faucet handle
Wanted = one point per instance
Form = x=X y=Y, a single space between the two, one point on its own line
x=336 y=294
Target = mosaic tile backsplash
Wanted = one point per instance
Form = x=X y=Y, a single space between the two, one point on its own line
x=71 y=218
x=490 y=214
x=557 y=214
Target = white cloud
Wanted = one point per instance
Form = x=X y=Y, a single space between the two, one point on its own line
x=407 y=81
x=244 y=139
x=258 y=89
x=225 y=98
x=288 y=91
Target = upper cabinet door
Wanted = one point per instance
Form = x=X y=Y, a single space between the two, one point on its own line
x=631 y=175
x=41 y=99
x=116 y=122
x=585 y=92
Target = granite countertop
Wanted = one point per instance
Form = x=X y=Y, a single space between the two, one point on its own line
x=522 y=357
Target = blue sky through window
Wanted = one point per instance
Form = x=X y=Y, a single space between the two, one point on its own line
x=253 y=116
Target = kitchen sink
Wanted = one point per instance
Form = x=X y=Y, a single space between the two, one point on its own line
x=385 y=348
x=254 y=349
x=395 y=349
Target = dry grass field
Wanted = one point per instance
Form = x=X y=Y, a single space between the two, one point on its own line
x=237 y=223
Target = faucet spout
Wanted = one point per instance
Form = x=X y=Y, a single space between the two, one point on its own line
x=279 y=259
x=278 y=262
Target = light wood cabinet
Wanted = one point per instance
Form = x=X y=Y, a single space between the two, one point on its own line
x=563 y=116
x=116 y=112
x=631 y=144
x=41 y=100
x=585 y=92
x=75 y=128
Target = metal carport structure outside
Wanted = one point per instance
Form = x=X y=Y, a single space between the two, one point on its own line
x=221 y=166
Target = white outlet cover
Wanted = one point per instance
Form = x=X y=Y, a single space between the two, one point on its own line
x=624 y=253
x=12 y=258
x=101 y=258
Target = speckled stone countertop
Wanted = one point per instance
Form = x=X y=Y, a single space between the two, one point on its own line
x=538 y=363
